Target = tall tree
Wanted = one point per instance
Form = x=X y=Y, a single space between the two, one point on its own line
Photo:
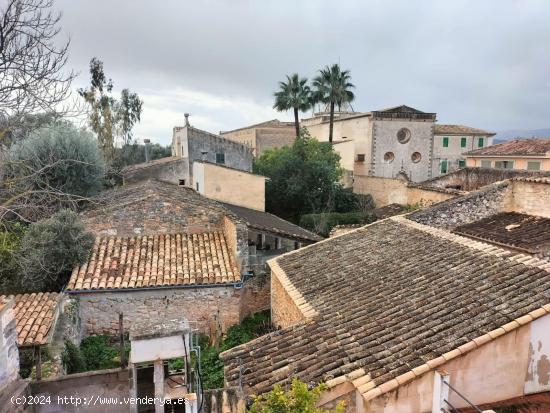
x=110 y=118
x=293 y=94
x=333 y=87
x=32 y=61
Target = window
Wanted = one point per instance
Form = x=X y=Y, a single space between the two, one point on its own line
x=533 y=165
x=463 y=142
x=446 y=142
x=259 y=241
x=485 y=164
x=360 y=157
x=403 y=135
x=220 y=158
x=416 y=157
x=389 y=157
x=480 y=142
x=504 y=164
x=182 y=182
x=461 y=163
x=443 y=166
x=197 y=187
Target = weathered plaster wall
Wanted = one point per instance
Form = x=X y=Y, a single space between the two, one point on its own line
x=528 y=197
x=284 y=312
x=206 y=308
x=227 y=400
x=230 y=185
x=519 y=161
x=9 y=354
x=454 y=152
x=464 y=210
x=385 y=140
x=505 y=368
x=172 y=171
x=385 y=191
x=94 y=385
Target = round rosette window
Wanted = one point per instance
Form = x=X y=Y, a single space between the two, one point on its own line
x=416 y=157
x=403 y=135
x=389 y=157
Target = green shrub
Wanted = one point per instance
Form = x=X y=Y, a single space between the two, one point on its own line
x=298 y=399
x=100 y=352
x=211 y=365
x=72 y=358
x=323 y=223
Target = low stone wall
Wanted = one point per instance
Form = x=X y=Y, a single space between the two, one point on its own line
x=206 y=308
x=387 y=191
x=100 y=388
x=256 y=295
x=477 y=205
x=223 y=401
x=471 y=179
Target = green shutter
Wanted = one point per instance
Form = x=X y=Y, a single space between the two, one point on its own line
x=461 y=163
x=480 y=143
x=443 y=166
x=445 y=142
x=462 y=142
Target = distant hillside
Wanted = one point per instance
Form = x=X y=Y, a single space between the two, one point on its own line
x=522 y=133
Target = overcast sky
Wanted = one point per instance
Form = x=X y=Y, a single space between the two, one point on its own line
x=481 y=63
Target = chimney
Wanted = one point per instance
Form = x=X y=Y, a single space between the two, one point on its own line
x=186 y=119
x=146 y=143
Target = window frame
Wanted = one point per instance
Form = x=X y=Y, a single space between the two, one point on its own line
x=445 y=142
x=485 y=161
x=534 y=162
x=480 y=142
x=446 y=169
x=220 y=155
x=463 y=142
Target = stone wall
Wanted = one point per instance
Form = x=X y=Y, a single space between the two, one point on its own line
x=385 y=191
x=226 y=400
x=470 y=179
x=528 y=197
x=385 y=141
x=466 y=209
x=206 y=308
x=256 y=295
x=236 y=235
x=269 y=138
x=9 y=354
x=284 y=312
x=237 y=155
x=93 y=385
x=173 y=170
x=68 y=327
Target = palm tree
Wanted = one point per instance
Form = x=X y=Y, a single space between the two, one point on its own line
x=332 y=86
x=293 y=94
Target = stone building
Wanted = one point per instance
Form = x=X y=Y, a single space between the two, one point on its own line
x=427 y=312
x=518 y=154
x=262 y=136
x=450 y=144
x=391 y=142
x=386 y=142
x=190 y=144
x=165 y=250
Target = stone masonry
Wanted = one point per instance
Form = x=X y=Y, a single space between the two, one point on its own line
x=9 y=354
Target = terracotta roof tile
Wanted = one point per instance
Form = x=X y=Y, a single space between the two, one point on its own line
x=459 y=130
x=522 y=232
x=391 y=298
x=35 y=316
x=155 y=261
x=517 y=147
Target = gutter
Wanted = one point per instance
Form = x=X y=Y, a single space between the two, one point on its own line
x=236 y=285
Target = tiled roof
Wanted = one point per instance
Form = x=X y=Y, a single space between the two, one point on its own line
x=273 y=123
x=459 y=130
x=34 y=316
x=155 y=162
x=522 y=232
x=390 y=300
x=517 y=147
x=264 y=221
x=156 y=261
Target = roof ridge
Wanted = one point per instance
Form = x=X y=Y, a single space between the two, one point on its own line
x=484 y=247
